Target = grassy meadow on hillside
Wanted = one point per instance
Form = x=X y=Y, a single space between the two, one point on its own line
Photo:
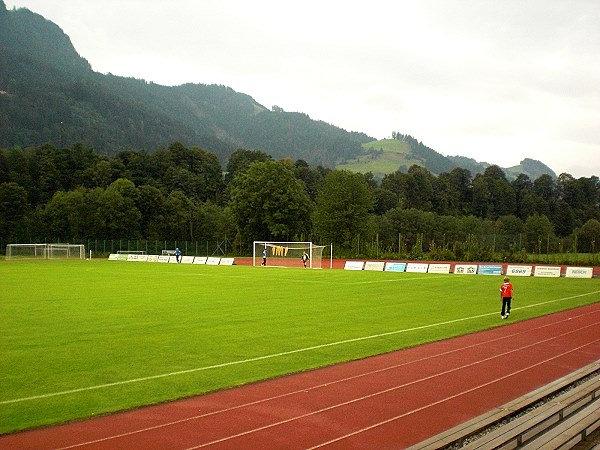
x=90 y=337
x=380 y=158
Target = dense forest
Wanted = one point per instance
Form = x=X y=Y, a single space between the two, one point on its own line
x=183 y=194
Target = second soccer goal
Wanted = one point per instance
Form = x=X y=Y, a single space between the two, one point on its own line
x=287 y=254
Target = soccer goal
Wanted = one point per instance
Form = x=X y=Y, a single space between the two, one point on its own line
x=45 y=251
x=287 y=254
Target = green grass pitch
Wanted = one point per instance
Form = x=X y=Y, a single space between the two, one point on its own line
x=90 y=337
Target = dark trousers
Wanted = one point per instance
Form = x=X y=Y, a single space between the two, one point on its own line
x=506 y=305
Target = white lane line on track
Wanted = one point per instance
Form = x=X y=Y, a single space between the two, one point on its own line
x=271 y=356
x=467 y=391
x=413 y=382
x=322 y=385
x=356 y=400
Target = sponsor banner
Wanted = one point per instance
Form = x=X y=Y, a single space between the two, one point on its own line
x=200 y=260
x=465 y=269
x=172 y=259
x=485 y=269
x=375 y=265
x=417 y=267
x=137 y=258
x=187 y=259
x=438 y=268
x=163 y=259
x=519 y=271
x=395 y=267
x=113 y=257
x=354 y=265
x=547 y=271
x=152 y=258
x=213 y=261
x=579 y=272
x=226 y=262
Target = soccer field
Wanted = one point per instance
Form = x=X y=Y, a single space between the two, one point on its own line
x=90 y=337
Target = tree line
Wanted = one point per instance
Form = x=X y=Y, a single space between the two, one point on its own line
x=179 y=193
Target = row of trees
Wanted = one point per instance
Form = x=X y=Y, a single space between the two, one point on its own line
x=183 y=194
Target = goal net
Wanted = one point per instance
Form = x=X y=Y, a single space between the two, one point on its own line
x=287 y=254
x=45 y=251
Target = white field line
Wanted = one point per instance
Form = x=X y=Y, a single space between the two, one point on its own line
x=271 y=356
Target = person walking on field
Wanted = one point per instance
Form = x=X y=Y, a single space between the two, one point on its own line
x=506 y=294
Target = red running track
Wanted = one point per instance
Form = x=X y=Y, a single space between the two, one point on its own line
x=389 y=401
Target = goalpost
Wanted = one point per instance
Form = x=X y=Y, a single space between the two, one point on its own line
x=287 y=254
x=45 y=251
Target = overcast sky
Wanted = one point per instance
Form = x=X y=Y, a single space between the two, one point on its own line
x=494 y=80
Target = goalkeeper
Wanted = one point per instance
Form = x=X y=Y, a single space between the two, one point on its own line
x=305 y=259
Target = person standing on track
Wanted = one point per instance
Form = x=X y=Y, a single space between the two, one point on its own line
x=264 y=257
x=506 y=294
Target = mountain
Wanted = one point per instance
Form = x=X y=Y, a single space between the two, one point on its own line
x=50 y=94
x=530 y=167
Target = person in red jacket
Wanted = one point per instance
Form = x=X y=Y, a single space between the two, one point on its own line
x=506 y=294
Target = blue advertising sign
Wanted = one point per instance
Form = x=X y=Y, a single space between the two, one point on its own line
x=489 y=270
x=395 y=267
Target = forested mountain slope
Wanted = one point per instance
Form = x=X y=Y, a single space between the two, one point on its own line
x=50 y=94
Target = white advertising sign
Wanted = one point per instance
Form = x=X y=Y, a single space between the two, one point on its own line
x=152 y=258
x=143 y=258
x=226 y=262
x=518 y=271
x=465 y=269
x=200 y=260
x=439 y=268
x=354 y=265
x=375 y=265
x=579 y=272
x=546 y=271
x=417 y=267
x=213 y=261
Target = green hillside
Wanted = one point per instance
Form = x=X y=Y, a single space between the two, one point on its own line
x=389 y=155
x=381 y=157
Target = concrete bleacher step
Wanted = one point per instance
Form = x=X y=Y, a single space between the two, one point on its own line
x=544 y=419
x=569 y=432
